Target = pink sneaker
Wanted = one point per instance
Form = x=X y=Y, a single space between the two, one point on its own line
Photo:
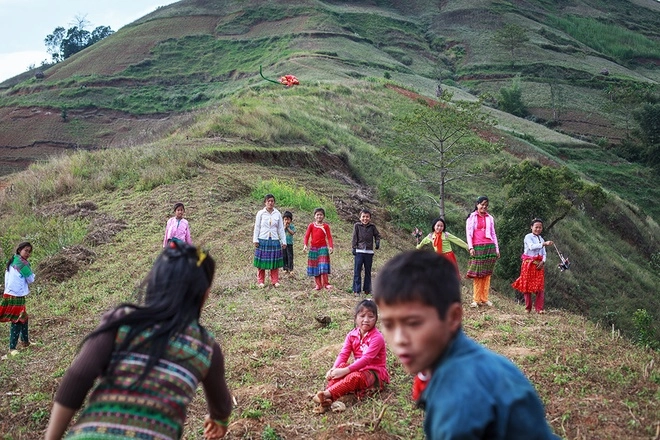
x=328 y=286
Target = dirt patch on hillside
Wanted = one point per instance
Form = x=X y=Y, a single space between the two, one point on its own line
x=66 y=263
x=30 y=134
x=412 y=95
x=582 y=125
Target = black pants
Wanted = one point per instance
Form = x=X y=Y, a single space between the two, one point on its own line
x=362 y=260
x=287 y=256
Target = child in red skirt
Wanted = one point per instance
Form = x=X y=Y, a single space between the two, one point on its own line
x=532 y=275
x=319 y=240
x=369 y=367
x=18 y=275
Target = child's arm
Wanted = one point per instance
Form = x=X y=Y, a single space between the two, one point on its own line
x=376 y=238
x=329 y=237
x=60 y=417
x=257 y=228
x=308 y=233
x=218 y=397
x=90 y=363
x=188 y=239
x=426 y=241
x=167 y=227
x=457 y=241
x=281 y=233
x=214 y=429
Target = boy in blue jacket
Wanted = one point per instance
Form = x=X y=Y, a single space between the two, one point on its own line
x=473 y=393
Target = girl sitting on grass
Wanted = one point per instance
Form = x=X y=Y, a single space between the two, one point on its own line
x=369 y=367
x=149 y=360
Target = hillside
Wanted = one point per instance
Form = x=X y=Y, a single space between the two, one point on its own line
x=172 y=107
x=594 y=383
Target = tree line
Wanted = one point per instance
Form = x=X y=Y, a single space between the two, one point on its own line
x=63 y=43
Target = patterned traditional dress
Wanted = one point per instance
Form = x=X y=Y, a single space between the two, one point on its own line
x=156 y=407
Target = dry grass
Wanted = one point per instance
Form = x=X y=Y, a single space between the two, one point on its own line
x=594 y=384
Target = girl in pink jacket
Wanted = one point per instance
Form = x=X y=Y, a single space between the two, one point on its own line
x=369 y=367
x=484 y=250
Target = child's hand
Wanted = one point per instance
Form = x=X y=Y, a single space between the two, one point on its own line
x=330 y=250
x=304 y=247
x=213 y=430
x=337 y=373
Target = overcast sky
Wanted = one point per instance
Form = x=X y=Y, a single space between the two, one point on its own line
x=25 y=23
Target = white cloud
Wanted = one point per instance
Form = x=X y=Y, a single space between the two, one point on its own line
x=12 y=64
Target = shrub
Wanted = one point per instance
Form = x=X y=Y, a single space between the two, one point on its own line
x=294 y=196
x=644 y=333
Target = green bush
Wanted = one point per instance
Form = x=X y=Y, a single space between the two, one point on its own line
x=510 y=99
x=294 y=197
x=644 y=334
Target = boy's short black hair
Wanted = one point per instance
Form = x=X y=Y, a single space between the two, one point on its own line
x=365 y=211
x=418 y=276
x=287 y=214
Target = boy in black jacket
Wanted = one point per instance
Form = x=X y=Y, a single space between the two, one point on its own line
x=365 y=234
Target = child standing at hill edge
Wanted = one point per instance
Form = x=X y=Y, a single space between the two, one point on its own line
x=319 y=239
x=177 y=228
x=289 y=230
x=484 y=250
x=149 y=360
x=532 y=273
x=18 y=275
x=369 y=368
x=441 y=241
x=365 y=234
x=473 y=393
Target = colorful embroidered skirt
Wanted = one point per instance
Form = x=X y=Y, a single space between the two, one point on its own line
x=318 y=261
x=531 y=279
x=268 y=255
x=483 y=261
x=12 y=309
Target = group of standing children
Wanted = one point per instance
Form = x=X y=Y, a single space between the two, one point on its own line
x=151 y=355
x=484 y=251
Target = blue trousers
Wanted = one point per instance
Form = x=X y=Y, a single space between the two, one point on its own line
x=361 y=260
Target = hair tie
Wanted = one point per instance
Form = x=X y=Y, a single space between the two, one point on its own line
x=201 y=256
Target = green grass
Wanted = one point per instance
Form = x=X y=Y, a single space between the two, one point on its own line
x=607 y=38
x=276 y=352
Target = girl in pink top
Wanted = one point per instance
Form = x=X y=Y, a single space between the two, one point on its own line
x=369 y=367
x=177 y=228
x=484 y=250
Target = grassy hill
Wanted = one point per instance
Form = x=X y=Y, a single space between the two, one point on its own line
x=172 y=108
x=96 y=236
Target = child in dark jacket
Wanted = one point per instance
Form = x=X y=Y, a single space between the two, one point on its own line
x=365 y=234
